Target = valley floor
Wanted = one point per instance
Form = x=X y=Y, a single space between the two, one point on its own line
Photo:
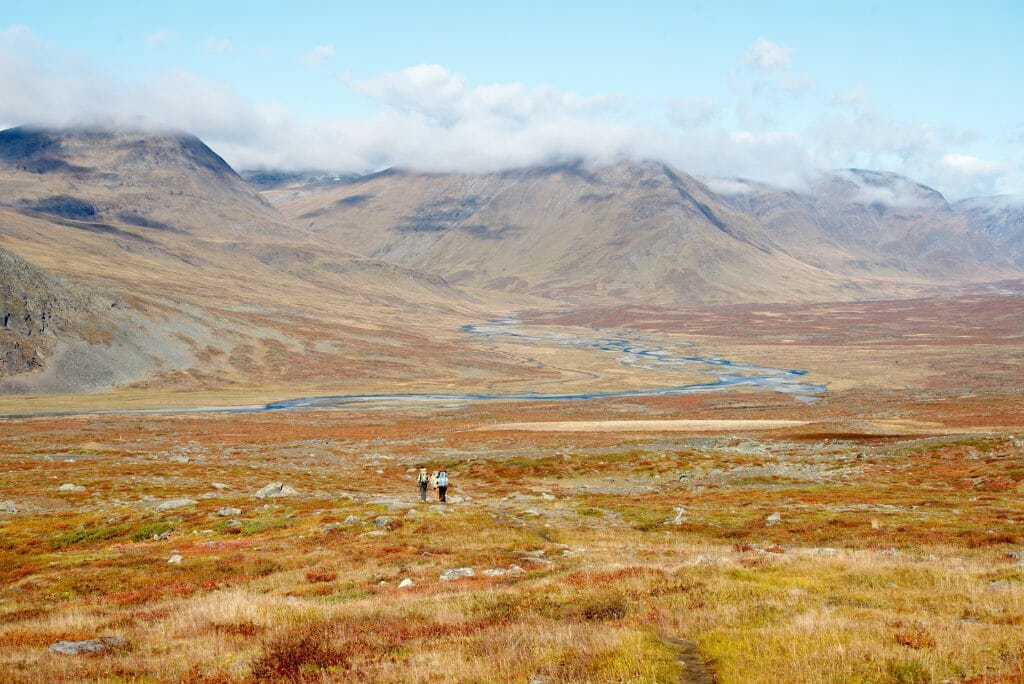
x=818 y=551
x=874 y=535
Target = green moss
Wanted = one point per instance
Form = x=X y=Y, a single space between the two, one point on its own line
x=85 y=536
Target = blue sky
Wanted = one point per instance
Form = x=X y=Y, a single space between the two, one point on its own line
x=772 y=91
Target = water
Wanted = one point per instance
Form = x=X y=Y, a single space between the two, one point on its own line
x=638 y=352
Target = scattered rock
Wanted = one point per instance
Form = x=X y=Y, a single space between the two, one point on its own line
x=1000 y=585
x=529 y=513
x=406 y=583
x=68 y=487
x=330 y=527
x=179 y=459
x=680 y=516
x=385 y=522
x=90 y=646
x=219 y=485
x=351 y=520
x=275 y=490
x=495 y=572
x=547 y=496
x=162 y=535
x=175 y=559
x=457 y=573
x=773 y=519
x=825 y=551
x=227 y=512
x=516 y=570
x=8 y=507
x=172 y=504
x=233 y=527
x=891 y=553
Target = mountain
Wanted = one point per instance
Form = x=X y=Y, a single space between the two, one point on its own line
x=212 y=286
x=855 y=222
x=998 y=219
x=168 y=182
x=627 y=231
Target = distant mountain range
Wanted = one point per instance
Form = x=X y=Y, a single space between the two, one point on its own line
x=143 y=259
x=643 y=231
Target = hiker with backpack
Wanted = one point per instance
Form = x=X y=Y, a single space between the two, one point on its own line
x=423 y=480
x=442 y=486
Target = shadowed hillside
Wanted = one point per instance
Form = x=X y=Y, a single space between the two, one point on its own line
x=625 y=232
x=858 y=222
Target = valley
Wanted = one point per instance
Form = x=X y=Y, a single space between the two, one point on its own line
x=697 y=429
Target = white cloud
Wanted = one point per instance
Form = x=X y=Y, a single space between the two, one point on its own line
x=219 y=46
x=856 y=96
x=161 y=37
x=691 y=112
x=318 y=55
x=973 y=166
x=431 y=118
x=765 y=55
x=439 y=95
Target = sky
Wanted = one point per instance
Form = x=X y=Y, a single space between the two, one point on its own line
x=774 y=92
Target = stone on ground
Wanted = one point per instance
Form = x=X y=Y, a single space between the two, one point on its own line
x=91 y=646
x=457 y=573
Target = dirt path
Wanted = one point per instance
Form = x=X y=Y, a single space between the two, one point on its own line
x=694 y=669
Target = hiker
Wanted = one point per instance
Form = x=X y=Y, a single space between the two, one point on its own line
x=423 y=479
x=442 y=486
x=433 y=481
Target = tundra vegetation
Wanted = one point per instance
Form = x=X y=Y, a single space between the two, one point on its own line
x=831 y=551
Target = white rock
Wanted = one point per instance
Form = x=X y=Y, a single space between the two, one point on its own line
x=8 y=507
x=275 y=490
x=90 y=646
x=406 y=583
x=172 y=504
x=773 y=519
x=68 y=487
x=1000 y=585
x=457 y=573
x=227 y=512
x=219 y=485
x=175 y=559
x=494 y=572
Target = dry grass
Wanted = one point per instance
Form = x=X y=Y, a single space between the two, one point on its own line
x=910 y=589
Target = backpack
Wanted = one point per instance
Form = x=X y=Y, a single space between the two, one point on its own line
x=423 y=478
x=442 y=478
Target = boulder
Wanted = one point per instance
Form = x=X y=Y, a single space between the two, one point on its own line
x=219 y=486
x=172 y=504
x=386 y=522
x=175 y=559
x=228 y=512
x=406 y=583
x=68 y=487
x=456 y=574
x=275 y=490
x=495 y=572
x=89 y=646
x=773 y=519
x=1000 y=585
